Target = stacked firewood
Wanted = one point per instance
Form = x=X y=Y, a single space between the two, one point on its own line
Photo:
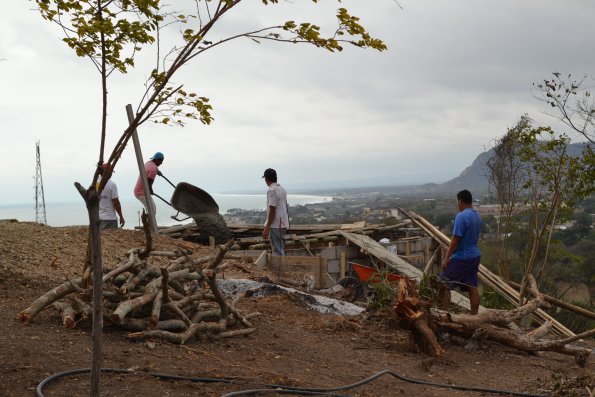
x=170 y=295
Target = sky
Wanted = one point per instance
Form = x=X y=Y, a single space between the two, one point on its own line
x=455 y=76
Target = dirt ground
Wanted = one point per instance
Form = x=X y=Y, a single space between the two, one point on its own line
x=292 y=345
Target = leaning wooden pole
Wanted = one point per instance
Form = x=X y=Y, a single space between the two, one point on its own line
x=142 y=173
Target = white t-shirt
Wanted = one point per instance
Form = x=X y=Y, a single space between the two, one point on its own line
x=107 y=211
x=277 y=197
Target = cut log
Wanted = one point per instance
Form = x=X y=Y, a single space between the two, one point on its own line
x=49 y=297
x=410 y=314
x=67 y=312
x=493 y=325
x=562 y=304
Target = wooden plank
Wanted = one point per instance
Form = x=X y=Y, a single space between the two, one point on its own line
x=322 y=272
x=354 y=225
x=393 y=261
x=292 y=266
x=294 y=228
x=342 y=264
x=428 y=267
x=294 y=260
x=295 y=267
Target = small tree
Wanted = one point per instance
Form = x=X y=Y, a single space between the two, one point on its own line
x=507 y=175
x=111 y=32
x=556 y=181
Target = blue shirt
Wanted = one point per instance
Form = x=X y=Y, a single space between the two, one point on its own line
x=467 y=226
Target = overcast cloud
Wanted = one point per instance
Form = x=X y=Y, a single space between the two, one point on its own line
x=456 y=75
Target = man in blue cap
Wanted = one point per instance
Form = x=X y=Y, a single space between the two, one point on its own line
x=152 y=170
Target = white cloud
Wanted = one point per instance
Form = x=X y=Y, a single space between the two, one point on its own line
x=456 y=75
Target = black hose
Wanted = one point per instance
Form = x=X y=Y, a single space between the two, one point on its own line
x=77 y=371
x=398 y=376
x=284 y=389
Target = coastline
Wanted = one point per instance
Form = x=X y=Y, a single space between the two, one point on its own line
x=74 y=213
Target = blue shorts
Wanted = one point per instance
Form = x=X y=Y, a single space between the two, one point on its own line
x=461 y=273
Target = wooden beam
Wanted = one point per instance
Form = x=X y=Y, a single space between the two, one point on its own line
x=342 y=264
x=316 y=266
x=428 y=267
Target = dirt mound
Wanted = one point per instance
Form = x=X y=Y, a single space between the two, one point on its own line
x=292 y=345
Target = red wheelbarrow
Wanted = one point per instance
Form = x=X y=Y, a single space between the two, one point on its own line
x=371 y=275
x=364 y=275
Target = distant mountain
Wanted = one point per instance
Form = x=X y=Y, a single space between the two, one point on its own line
x=474 y=176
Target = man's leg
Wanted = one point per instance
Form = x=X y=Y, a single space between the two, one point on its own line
x=146 y=202
x=277 y=238
x=473 y=299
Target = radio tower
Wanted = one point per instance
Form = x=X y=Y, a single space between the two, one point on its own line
x=39 y=198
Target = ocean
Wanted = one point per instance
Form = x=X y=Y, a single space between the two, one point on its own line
x=75 y=213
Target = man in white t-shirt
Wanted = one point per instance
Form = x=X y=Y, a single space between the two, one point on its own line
x=152 y=170
x=277 y=218
x=109 y=204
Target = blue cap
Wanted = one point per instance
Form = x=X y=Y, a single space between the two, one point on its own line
x=157 y=156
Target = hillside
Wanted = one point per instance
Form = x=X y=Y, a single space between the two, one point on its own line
x=292 y=345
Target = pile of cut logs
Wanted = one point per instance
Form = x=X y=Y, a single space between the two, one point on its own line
x=175 y=302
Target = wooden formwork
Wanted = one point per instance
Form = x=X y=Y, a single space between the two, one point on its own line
x=296 y=267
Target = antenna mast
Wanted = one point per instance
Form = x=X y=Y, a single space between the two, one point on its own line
x=39 y=197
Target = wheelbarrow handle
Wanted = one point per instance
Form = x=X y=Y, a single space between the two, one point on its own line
x=162 y=199
x=163 y=176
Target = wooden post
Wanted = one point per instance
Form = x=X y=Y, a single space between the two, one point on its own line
x=143 y=174
x=407 y=248
x=211 y=241
x=428 y=269
x=322 y=270
x=342 y=264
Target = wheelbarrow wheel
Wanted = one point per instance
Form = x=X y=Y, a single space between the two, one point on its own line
x=211 y=224
x=355 y=289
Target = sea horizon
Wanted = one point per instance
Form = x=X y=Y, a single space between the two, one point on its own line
x=74 y=213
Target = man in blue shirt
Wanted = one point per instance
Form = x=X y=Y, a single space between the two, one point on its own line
x=461 y=263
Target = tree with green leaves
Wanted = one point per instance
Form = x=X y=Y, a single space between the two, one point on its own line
x=556 y=181
x=110 y=33
x=507 y=174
